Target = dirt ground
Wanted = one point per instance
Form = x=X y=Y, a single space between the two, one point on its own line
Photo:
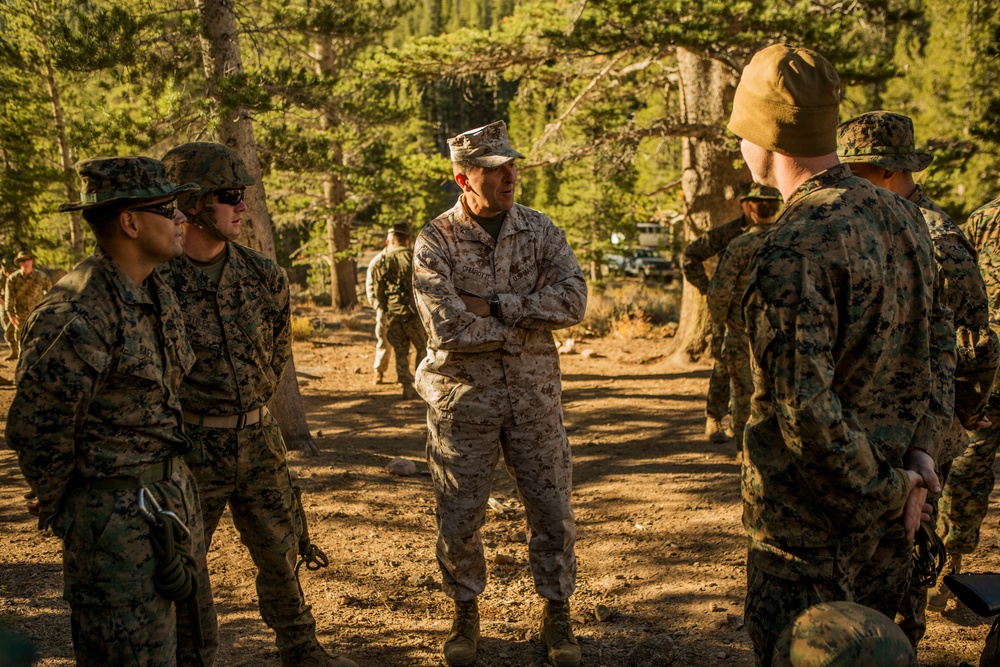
x=661 y=548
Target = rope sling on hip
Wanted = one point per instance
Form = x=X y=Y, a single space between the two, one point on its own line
x=175 y=577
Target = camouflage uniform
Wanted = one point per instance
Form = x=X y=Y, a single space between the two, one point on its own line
x=966 y=494
x=492 y=381
x=696 y=254
x=21 y=295
x=381 y=364
x=845 y=364
x=97 y=398
x=725 y=294
x=886 y=140
x=843 y=634
x=393 y=278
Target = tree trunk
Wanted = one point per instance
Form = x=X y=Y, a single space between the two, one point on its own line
x=221 y=51
x=344 y=270
x=711 y=181
x=65 y=153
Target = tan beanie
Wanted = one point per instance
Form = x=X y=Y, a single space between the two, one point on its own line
x=787 y=101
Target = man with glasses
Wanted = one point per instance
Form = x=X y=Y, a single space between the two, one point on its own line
x=25 y=288
x=96 y=424
x=236 y=313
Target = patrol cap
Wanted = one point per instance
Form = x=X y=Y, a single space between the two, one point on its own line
x=882 y=138
x=758 y=191
x=401 y=228
x=120 y=179
x=788 y=101
x=486 y=146
x=23 y=255
x=843 y=634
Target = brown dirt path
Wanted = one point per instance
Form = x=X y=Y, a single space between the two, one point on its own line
x=660 y=545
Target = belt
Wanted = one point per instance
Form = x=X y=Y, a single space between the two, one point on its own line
x=227 y=421
x=157 y=472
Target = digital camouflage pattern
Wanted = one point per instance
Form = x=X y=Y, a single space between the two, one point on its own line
x=883 y=138
x=393 y=278
x=486 y=146
x=966 y=494
x=241 y=335
x=117 y=179
x=381 y=364
x=208 y=165
x=97 y=396
x=493 y=383
x=849 y=339
x=843 y=634
x=725 y=295
x=21 y=295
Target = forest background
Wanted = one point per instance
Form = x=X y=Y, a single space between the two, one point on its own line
x=344 y=109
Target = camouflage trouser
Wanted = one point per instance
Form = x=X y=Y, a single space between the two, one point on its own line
x=12 y=334
x=401 y=333
x=116 y=615
x=381 y=346
x=717 y=405
x=773 y=602
x=967 y=493
x=883 y=581
x=246 y=469
x=736 y=353
x=462 y=459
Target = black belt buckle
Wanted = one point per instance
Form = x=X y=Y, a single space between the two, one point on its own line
x=241 y=421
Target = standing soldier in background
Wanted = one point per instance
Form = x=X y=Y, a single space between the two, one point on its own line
x=96 y=424
x=725 y=297
x=713 y=242
x=236 y=311
x=492 y=280
x=393 y=278
x=8 y=328
x=25 y=288
x=849 y=344
x=381 y=346
x=879 y=147
x=967 y=491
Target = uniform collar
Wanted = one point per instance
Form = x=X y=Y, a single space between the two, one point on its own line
x=127 y=290
x=471 y=230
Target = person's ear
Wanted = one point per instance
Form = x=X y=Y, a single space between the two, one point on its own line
x=128 y=223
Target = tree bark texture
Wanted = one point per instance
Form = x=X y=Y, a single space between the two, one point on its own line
x=343 y=271
x=221 y=53
x=712 y=179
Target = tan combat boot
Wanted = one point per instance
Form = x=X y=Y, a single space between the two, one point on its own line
x=561 y=647
x=460 y=646
x=937 y=597
x=313 y=655
x=379 y=378
x=714 y=430
x=409 y=393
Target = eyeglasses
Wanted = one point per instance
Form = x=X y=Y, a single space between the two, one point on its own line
x=230 y=196
x=166 y=209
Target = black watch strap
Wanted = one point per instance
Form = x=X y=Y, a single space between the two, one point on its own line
x=495 y=311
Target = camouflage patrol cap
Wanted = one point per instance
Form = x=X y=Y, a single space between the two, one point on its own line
x=119 y=179
x=843 y=634
x=486 y=146
x=23 y=255
x=758 y=191
x=210 y=165
x=401 y=228
x=883 y=138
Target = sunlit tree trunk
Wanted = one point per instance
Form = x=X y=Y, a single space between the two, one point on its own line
x=221 y=52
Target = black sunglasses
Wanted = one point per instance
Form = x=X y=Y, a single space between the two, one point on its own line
x=230 y=196
x=166 y=209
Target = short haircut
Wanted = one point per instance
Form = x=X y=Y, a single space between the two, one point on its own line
x=101 y=219
x=461 y=167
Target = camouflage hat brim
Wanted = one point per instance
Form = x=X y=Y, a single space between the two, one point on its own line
x=909 y=162
x=495 y=159
x=104 y=198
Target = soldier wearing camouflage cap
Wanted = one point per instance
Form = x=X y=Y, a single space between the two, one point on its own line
x=852 y=345
x=96 y=424
x=758 y=203
x=843 y=634
x=879 y=147
x=492 y=279
x=24 y=288
x=236 y=310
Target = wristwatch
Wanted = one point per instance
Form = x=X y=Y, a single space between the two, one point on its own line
x=494 y=301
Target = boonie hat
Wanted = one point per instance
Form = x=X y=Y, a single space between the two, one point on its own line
x=400 y=228
x=883 y=138
x=23 y=255
x=486 y=146
x=843 y=634
x=758 y=191
x=118 y=179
